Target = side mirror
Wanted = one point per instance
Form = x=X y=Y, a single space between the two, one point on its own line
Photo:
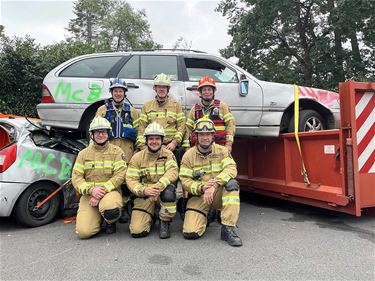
x=244 y=88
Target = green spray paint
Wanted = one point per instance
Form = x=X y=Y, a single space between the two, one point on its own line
x=65 y=89
x=36 y=162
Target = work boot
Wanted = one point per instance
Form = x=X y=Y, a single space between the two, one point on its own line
x=164 y=230
x=125 y=218
x=229 y=234
x=109 y=228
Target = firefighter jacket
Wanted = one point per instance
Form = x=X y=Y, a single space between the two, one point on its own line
x=151 y=169
x=220 y=114
x=197 y=169
x=124 y=122
x=168 y=114
x=99 y=166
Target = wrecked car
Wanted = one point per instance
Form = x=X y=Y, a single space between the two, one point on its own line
x=34 y=162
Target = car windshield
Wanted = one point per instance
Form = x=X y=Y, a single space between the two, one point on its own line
x=8 y=135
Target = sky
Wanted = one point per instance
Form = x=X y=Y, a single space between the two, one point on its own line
x=195 y=21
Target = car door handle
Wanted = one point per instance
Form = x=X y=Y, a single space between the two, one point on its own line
x=132 y=85
x=193 y=88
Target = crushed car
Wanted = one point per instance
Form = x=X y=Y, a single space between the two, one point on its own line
x=34 y=162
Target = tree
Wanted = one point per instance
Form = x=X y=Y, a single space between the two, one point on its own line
x=303 y=41
x=182 y=43
x=89 y=15
x=113 y=25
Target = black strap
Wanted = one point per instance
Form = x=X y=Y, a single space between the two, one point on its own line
x=142 y=210
x=195 y=210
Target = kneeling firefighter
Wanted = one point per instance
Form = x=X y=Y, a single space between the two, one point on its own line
x=151 y=176
x=208 y=174
x=98 y=173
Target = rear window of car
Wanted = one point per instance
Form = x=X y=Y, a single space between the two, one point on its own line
x=96 y=67
x=7 y=135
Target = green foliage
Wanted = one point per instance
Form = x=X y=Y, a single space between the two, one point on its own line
x=310 y=42
x=112 y=25
x=24 y=64
x=100 y=25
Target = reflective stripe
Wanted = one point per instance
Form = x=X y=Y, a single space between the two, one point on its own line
x=231 y=200
x=186 y=143
x=224 y=177
x=83 y=188
x=164 y=181
x=98 y=164
x=170 y=163
x=186 y=172
x=109 y=186
x=208 y=169
x=169 y=209
x=229 y=138
x=143 y=117
x=119 y=164
x=190 y=122
x=228 y=117
x=227 y=161
x=195 y=188
x=133 y=172
x=79 y=168
x=220 y=128
x=153 y=170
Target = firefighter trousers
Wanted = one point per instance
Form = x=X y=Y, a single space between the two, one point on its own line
x=196 y=212
x=89 y=218
x=143 y=212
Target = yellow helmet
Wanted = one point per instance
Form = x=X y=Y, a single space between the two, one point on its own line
x=154 y=129
x=162 y=80
x=204 y=125
x=99 y=123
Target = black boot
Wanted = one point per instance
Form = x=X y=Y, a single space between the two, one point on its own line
x=164 y=230
x=109 y=228
x=229 y=234
x=125 y=218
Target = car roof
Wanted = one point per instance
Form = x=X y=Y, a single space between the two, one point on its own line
x=21 y=122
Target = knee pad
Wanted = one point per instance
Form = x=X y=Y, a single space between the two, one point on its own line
x=168 y=194
x=125 y=190
x=232 y=185
x=191 y=235
x=111 y=214
x=140 y=235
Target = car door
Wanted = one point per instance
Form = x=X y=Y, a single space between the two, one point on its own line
x=85 y=80
x=139 y=72
x=245 y=107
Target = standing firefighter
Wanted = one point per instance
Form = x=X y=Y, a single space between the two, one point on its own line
x=97 y=175
x=124 y=121
x=214 y=109
x=166 y=112
x=151 y=176
x=208 y=174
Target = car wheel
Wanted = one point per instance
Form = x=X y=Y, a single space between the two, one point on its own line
x=25 y=212
x=309 y=120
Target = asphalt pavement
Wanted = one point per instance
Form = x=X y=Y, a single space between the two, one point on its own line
x=282 y=241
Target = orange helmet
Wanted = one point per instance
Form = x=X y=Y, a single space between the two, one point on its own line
x=207 y=81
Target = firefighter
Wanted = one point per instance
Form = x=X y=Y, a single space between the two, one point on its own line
x=208 y=174
x=216 y=110
x=124 y=121
x=98 y=173
x=165 y=111
x=151 y=176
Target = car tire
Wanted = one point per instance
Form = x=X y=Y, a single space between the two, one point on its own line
x=24 y=212
x=309 y=120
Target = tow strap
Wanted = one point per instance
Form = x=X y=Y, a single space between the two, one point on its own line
x=296 y=123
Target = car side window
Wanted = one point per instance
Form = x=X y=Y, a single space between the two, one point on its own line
x=197 y=68
x=153 y=65
x=131 y=69
x=96 y=67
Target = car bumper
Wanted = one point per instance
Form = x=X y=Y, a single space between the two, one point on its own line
x=9 y=193
x=61 y=115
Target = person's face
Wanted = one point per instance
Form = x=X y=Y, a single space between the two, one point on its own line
x=100 y=136
x=154 y=142
x=118 y=94
x=207 y=93
x=161 y=91
x=205 y=139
